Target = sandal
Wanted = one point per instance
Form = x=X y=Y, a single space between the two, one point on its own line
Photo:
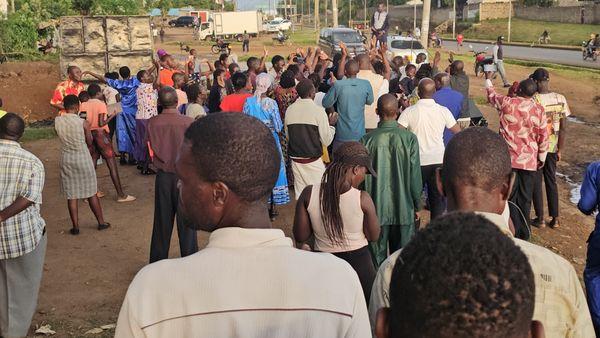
x=126 y=199
x=74 y=231
x=103 y=226
x=148 y=172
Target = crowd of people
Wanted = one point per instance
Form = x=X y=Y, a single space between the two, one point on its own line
x=358 y=142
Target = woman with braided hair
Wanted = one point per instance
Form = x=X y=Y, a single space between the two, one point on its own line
x=341 y=218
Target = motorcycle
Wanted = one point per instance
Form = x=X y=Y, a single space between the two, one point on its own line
x=222 y=48
x=281 y=39
x=481 y=60
x=588 y=51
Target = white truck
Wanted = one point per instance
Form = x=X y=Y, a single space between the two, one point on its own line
x=229 y=25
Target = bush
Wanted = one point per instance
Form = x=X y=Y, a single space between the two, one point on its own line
x=18 y=33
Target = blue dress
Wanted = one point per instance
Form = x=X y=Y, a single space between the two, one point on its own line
x=266 y=111
x=590 y=202
x=126 y=120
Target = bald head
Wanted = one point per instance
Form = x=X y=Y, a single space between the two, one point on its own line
x=12 y=127
x=441 y=80
x=363 y=61
x=387 y=107
x=426 y=88
x=167 y=97
x=458 y=66
x=351 y=68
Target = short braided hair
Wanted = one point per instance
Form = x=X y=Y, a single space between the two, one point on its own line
x=238 y=150
x=461 y=277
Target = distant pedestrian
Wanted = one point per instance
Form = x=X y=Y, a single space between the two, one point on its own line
x=499 y=60
x=380 y=24
x=165 y=135
x=22 y=229
x=246 y=42
x=162 y=35
x=582 y=15
x=459 y=40
x=77 y=174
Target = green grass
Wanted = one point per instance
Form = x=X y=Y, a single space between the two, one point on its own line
x=305 y=37
x=528 y=31
x=34 y=134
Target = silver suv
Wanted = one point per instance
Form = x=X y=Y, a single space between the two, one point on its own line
x=329 y=41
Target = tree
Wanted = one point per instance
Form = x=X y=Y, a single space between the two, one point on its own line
x=83 y=6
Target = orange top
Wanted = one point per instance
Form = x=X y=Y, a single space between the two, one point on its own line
x=94 y=108
x=166 y=76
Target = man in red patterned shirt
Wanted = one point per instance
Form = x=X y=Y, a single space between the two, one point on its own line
x=523 y=127
x=71 y=86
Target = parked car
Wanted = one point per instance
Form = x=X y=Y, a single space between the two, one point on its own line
x=405 y=46
x=330 y=38
x=182 y=21
x=278 y=25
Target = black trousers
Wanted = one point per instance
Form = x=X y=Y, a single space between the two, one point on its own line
x=523 y=190
x=362 y=263
x=245 y=46
x=437 y=204
x=548 y=174
x=166 y=200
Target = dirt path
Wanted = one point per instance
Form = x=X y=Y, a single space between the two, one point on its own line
x=86 y=277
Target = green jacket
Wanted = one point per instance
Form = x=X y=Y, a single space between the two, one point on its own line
x=397 y=189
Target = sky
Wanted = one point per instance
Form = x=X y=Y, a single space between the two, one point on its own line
x=254 y=4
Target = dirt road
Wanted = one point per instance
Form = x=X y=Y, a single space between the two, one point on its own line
x=86 y=277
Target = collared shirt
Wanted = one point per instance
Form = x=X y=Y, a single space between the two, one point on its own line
x=556 y=108
x=380 y=86
x=560 y=303
x=351 y=95
x=22 y=175
x=246 y=283
x=428 y=120
x=165 y=134
x=65 y=88
x=395 y=153
x=523 y=126
x=307 y=128
x=451 y=99
x=127 y=89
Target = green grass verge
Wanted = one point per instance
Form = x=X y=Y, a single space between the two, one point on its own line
x=34 y=134
x=304 y=37
x=528 y=31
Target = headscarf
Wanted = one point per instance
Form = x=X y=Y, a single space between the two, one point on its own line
x=263 y=83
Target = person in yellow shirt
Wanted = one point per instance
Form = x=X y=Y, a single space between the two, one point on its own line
x=2 y=112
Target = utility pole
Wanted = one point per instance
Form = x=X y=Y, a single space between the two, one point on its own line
x=365 y=16
x=317 y=21
x=425 y=23
x=349 y=13
x=454 y=19
x=334 y=8
x=509 y=17
x=326 y=3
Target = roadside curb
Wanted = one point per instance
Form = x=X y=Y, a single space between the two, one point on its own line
x=524 y=44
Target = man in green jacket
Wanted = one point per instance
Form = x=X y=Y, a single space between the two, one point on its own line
x=397 y=189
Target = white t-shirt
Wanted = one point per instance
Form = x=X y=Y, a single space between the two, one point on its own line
x=427 y=120
x=319 y=98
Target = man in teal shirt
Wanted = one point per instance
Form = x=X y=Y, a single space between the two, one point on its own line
x=350 y=95
x=397 y=189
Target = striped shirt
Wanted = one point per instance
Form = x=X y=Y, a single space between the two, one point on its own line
x=21 y=175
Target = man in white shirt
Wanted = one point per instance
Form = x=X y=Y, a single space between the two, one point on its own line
x=499 y=60
x=477 y=177
x=427 y=120
x=308 y=130
x=379 y=84
x=249 y=281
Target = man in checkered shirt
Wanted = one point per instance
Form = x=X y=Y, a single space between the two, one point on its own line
x=22 y=229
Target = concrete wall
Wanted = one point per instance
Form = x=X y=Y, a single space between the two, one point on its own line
x=493 y=10
x=570 y=14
